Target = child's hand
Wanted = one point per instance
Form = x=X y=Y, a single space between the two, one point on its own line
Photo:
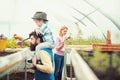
x=37 y=31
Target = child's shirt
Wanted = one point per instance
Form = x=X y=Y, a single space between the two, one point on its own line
x=47 y=34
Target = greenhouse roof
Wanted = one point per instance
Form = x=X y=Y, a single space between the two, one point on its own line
x=83 y=17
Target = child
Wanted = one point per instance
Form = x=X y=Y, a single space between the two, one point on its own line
x=40 y=18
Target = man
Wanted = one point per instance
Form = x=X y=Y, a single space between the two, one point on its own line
x=44 y=69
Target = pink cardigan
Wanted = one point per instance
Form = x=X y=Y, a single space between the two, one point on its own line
x=58 y=42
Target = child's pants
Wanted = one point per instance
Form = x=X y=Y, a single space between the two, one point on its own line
x=43 y=45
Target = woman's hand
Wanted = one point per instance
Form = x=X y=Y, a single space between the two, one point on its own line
x=67 y=38
x=34 y=61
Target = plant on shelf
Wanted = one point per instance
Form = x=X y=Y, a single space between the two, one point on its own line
x=14 y=43
x=2 y=37
x=2 y=41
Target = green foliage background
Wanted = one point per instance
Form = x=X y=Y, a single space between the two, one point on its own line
x=12 y=43
x=100 y=61
x=88 y=41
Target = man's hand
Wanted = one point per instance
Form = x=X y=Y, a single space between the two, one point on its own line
x=16 y=36
x=34 y=61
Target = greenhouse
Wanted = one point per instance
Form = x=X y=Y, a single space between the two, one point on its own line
x=90 y=44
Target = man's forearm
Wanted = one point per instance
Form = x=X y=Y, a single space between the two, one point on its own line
x=27 y=42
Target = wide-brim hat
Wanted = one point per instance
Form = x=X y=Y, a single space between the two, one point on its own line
x=40 y=15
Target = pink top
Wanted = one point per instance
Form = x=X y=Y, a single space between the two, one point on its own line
x=58 y=42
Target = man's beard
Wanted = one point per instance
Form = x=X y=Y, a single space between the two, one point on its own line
x=33 y=46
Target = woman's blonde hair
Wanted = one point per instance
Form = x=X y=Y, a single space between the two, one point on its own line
x=62 y=28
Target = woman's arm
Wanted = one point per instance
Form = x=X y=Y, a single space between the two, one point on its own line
x=59 y=44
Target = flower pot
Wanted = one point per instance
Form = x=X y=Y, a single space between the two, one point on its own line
x=2 y=44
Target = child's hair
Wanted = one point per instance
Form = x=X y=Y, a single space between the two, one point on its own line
x=62 y=28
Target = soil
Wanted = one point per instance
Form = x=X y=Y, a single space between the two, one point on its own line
x=4 y=53
x=68 y=67
x=19 y=76
x=109 y=74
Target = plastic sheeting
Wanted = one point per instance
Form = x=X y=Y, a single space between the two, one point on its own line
x=89 y=17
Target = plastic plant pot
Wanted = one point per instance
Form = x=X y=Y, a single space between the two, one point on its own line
x=19 y=43
x=2 y=44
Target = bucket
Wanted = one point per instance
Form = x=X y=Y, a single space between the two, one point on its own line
x=70 y=72
x=2 y=44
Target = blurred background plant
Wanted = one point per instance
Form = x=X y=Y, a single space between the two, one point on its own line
x=15 y=43
x=99 y=61
x=88 y=41
x=3 y=37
